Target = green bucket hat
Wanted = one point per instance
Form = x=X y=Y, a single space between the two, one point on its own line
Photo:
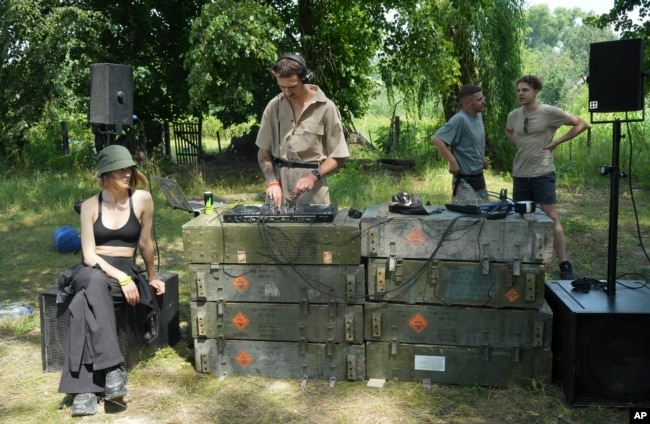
x=114 y=157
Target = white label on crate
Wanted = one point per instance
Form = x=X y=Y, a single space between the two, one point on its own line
x=429 y=363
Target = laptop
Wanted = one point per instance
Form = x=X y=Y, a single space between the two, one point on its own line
x=176 y=198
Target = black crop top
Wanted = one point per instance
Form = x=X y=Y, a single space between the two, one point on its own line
x=127 y=236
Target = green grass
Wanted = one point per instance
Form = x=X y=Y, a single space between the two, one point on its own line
x=168 y=389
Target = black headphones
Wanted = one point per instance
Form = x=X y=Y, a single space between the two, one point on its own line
x=307 y=74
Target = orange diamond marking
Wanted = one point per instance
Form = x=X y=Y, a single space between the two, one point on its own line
x=241 y=284
x=512 y=295
x=243 y=359
x=415 y=238
x=418 y=323
x=240 y=320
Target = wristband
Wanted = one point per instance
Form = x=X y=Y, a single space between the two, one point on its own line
x=273 y=183
x=124 y=281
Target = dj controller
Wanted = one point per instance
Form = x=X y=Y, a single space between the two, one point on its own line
x=312 y=213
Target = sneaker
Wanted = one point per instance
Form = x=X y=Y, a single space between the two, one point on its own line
x=566 y=271
x=84 y=404
x=115 y=386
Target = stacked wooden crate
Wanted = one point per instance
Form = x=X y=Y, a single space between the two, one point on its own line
x=277 y=299
x=456 y=298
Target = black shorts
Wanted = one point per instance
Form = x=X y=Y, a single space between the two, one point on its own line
x=540 y=189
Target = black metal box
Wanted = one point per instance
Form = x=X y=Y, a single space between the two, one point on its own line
x=140 y=333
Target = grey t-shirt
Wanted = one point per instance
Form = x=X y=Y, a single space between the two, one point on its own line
x=465 y=135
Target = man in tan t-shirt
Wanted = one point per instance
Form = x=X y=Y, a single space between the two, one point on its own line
x=532 y=128
x=300 y=139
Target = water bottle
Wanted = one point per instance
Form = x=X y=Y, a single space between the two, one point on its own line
x=14 y=310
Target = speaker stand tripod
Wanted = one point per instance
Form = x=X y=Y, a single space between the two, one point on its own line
x=615 y=176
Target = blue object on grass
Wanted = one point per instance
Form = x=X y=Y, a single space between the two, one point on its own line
x=67 y=239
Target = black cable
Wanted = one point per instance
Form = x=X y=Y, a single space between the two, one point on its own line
x=636 y=214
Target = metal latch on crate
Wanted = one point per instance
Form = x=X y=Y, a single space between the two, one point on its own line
x=376 y=324
x=352 y=367
x=516 y=262
x=205 y=362
x=201 y=323
x=200 y=284
x=351 y=283
x=394 y=340
x=329 y=347
x=434 y=273
x=531 y=287
x=391 y=257
x=485 y=260
x=349 y=327
x=380 y=280
x=221 y=344
x=398 y=273
x=304 y=301
x=540 y=243
x=538 y=339
x=221 y=308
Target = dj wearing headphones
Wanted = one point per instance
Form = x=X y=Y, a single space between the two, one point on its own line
x=300 y=139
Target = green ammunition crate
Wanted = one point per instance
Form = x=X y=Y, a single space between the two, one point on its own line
x=336 y=323
x=207 y=239
x=498 y=367
x=458 y=326
x=453 y=236
x=278 y=283
x=495 y=285
x=318 y=361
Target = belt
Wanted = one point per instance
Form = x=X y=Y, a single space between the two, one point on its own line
x=289 y=164
x=477 y=181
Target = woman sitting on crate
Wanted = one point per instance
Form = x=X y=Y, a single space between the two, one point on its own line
x=113 y=224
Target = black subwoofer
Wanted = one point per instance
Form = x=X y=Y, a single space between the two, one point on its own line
x=601 y=344
x=141 y=330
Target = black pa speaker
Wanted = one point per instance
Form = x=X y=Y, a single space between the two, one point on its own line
x=111 y=94
x=601 y=344
x=140 y=330
x=616 y=76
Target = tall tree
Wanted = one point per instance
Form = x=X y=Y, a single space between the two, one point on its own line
x=560 y=57
x=44 y=57
x=628 y=18
x=233 y=43
x=438 y=46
